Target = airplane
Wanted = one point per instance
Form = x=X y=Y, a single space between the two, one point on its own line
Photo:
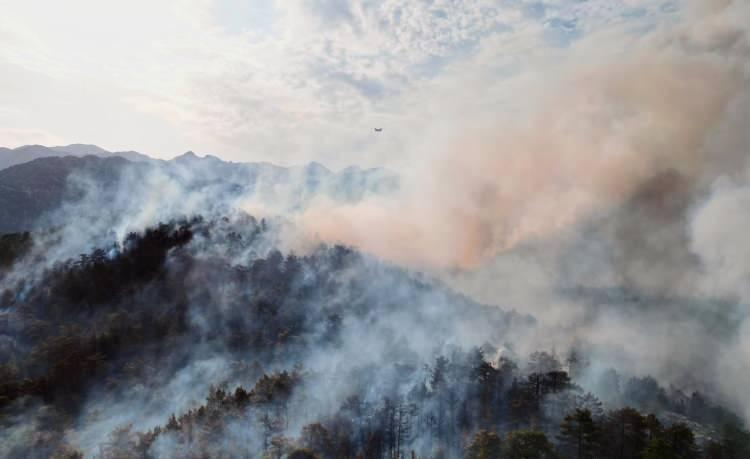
x=378 y=129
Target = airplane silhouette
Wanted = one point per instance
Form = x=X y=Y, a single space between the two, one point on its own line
x=378 y=129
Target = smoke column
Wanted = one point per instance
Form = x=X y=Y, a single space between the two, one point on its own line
x=606 y=129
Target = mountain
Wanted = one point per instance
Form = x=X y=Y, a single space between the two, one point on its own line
x=30 y=189
x=11 y=157
x=178 y=309
x=33 y=189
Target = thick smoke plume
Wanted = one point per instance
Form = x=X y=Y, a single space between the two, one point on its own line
x=667 y=104
x=612 y=212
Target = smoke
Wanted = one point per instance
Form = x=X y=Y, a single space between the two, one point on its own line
x=226 y=280
x=613 y=210
x=606 y=130
x=719 y=238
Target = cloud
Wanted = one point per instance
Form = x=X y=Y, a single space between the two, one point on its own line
x=288 y=81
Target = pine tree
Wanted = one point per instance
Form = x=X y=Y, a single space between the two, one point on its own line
x=528 y=444
x=485 y=445
x=624 y=434
x=682 y=440
x=579 y=435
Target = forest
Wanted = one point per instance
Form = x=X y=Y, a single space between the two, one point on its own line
x=199 y=338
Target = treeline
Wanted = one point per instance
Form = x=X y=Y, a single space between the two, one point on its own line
x=465 y=407
x=68 y=327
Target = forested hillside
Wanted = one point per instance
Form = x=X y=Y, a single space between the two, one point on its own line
x=198 y=338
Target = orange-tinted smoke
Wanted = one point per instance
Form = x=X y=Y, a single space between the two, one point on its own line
x=606 y=131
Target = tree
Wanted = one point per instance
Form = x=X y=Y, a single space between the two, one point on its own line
x=438 y=383
x=528 y=444
x=589 y=401
x=438 y=373
x=523 y=404
x=172 y=424
x=544 y=375
x=653 y=427
x=676 y=442
x=556 y=381
x=624 y=432
x=317 y=439
x=485 y=445
x=659 y=449
x=398 y=421
x=645 y=394
x=735 y=442
x=682 y=440
x=485 y=379
x=579 y=435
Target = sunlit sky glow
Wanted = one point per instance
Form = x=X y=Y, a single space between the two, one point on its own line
x=286 y=80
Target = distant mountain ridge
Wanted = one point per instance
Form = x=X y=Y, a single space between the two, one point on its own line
x=30 y=189
x=35 y=188
x=14 y=156
x=11 y=157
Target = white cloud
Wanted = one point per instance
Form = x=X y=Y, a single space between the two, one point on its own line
x=289 y=80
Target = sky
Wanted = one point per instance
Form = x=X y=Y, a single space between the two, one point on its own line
x=290 y=81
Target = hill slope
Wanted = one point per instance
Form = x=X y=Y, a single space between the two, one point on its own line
x=31 y=189
x=196 y=338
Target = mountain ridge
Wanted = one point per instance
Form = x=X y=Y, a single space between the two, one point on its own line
x=32 y=189
x=25 y=153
